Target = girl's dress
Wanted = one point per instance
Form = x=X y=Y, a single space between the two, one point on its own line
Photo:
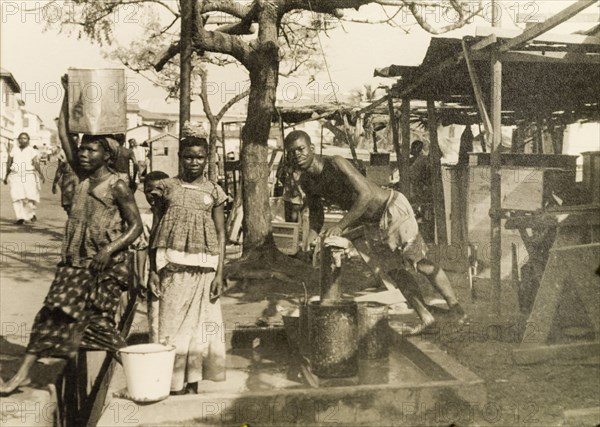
x=80 y=307
x=187 y=256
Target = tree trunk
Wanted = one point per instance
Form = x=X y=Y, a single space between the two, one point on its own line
x=255 y=167
x=185 y=54
x=213 y=172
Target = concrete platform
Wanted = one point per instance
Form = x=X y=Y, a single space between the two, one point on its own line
x=264 y=387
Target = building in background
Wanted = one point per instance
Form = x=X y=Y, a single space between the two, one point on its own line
x=39 y=135
x=16 y=118
x=11 y=109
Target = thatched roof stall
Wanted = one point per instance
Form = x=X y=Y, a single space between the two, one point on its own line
x=533 y=76
x=551 y=79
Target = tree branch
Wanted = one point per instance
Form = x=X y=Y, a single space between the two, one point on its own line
x=218 y=42
x=238 y=29
x=204 y=95
x=230 y=103
x=169 y=54
x=331 y=7
x=243 y=11
x=414 y=9
x=213 y=41
x=167 y=28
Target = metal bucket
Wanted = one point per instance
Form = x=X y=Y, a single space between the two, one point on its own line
x=97 y=101
x=373 y=331
x=303 y=328
x=333 y=338
x=303 y=335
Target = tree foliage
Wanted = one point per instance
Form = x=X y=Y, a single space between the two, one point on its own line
x=267 y=37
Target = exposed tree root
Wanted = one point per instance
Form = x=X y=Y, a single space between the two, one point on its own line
x=267 y=262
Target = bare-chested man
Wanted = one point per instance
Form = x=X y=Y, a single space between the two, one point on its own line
x=337 y=180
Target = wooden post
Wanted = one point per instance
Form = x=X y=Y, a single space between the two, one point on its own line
x=403 y=160
x=436 y=176
x=487 y=124
x=393 y=123
x=558 y=135
x=374 y=136
x=225 y=180
x=515 y=140
x=496 y=179
x=349 y=137
x=185 y=56
x=321 y=148
x=539 y=135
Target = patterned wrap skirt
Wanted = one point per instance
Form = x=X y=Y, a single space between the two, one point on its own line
x=193 y=323
x=79 y=312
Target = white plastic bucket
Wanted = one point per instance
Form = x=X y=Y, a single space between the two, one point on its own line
x=148 y=370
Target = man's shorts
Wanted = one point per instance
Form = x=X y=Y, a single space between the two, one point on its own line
x=399 y=232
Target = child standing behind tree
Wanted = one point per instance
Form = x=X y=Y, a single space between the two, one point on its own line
x=190 y=247
x=150 y=219
x=66 y=179
x=80 y=307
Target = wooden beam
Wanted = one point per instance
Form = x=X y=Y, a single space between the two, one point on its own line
x=572 y=39
x=522 y=38
x=538 y=29
x=403 y=160
x=496 y=178
x=482 y=44
x=555 y=219
x=349 y=138
x=310 y=119
x=487 y=124
x=439 y=205
x=567 y=266
x=546 y=57
x=393 y=123
x=532 y=353
x=551 y=57
x=374 y=105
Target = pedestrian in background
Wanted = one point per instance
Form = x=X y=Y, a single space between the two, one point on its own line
x=66 y=179
x=121 y=165
x=140 y=155
x=23 y=174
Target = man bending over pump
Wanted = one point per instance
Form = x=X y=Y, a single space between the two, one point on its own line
x=337 y=180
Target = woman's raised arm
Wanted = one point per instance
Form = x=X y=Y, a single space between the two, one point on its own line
x=68 y=144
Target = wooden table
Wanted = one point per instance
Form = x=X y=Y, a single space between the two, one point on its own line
x=564 y=253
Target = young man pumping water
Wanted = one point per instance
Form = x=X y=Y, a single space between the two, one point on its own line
x=338 y=181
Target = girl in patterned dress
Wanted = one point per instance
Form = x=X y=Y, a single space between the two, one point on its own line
x=189 y=245
x=80 y=307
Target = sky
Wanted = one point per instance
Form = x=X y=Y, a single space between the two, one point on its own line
x=38 y=58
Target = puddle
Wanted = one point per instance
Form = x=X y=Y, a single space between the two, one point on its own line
x=275 y=367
